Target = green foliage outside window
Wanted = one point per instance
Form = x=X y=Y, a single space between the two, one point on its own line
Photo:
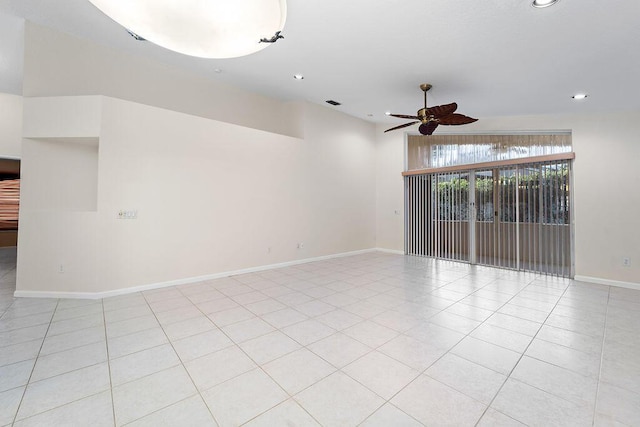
x=543 y=197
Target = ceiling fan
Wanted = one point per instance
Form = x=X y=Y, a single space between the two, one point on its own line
x=430 y=118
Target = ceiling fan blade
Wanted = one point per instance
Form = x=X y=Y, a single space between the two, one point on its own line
x=427 y=129
x=404 y=116
x=402 y=126
x=456 y=119
x=440 y=111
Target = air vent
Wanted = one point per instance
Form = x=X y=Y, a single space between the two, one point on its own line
x=332 y=102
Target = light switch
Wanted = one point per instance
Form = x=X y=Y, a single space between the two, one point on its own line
x=127 y=214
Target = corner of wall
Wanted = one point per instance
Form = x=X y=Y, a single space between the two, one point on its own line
x=11 y=107
x=389 y=189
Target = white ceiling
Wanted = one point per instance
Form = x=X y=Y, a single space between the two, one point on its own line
x=493 y=57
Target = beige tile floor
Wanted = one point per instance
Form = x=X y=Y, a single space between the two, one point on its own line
x=371 y=340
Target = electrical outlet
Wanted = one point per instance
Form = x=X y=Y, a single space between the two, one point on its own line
x=300 y=245
x=626 y=262
x=61 y=268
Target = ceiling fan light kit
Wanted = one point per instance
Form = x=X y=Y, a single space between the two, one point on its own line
x=205 y=29
x=431 y=117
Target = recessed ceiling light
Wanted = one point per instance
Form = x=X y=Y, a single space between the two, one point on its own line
x=217 y=70
x=580 y=96
x=387 y=113
x=543 y=3
x=298 y=76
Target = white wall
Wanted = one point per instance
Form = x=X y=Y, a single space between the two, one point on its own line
x=222 y=179
x=606 y=196
x=10 y=125
x=389 y=189
x=56 y=64
x=11 y=53
x=217 y=177
x=211 y=197
x=66 y=174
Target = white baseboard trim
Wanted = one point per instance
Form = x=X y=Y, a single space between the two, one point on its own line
x=390 y=251
x=601 y=281
x=54 y=294
x=152 y=286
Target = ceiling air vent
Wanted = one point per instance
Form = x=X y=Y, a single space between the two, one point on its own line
x=332 y=102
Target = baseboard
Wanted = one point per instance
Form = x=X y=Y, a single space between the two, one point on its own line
x=152 y=286
x=390 y=251
x=54 y=294
x=601 y=281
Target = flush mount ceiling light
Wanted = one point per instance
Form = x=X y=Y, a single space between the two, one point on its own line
x=298 y=76
x=580 y=96
x=206 y=29
x=543 y=3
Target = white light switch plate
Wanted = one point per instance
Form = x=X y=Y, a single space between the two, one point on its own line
x=127 y=214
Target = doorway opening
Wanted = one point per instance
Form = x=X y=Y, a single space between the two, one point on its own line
x=9 y=202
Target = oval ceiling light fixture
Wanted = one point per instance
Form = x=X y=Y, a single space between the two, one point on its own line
x=580 y=96
x=298 y=76
x=543 y=3
x=205 y=29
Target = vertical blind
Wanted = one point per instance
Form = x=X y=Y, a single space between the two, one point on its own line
x=437 y=151
x=9 y=204
x=513 y=215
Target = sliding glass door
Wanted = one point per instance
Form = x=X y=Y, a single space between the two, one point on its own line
x=438 y=216
x=511 y=216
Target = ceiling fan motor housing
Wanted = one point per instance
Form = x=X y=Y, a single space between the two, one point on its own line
x=424 y=118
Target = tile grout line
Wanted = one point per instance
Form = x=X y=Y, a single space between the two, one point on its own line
x=60 y=374
x=159 y=409
x=423 y=372
x=257 y=364
x=303 y=346
x=604 y=336
x=240 y=348
x=420 y=372
x=15 y=416
x=528 y=286
x=106 y=344
x=521 y=357
x=7 y=309
x=74 y=347
x=179 y=358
